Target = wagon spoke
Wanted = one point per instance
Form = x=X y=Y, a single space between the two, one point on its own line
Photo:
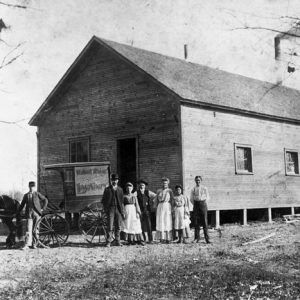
x=60 y=237
x=89 y=229
x=43 y=232
x=94 y=233
x=52 y=235
x=45 y=225
x=48 y=225
x=93 y=213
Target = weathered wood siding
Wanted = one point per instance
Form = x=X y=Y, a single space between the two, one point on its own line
x=208 y=150
x=108 y=99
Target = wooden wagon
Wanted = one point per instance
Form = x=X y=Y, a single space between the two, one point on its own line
x=83 y=186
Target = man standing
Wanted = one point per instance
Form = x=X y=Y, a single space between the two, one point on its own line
x=145 y=199
x=199 y=198
x=33 y=211
x=113 y=205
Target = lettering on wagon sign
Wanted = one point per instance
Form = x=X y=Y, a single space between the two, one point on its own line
x=91 y=180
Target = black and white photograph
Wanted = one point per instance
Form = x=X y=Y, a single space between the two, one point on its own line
x=150 y=149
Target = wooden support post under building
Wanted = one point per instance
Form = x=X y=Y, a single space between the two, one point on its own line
x=292 y=210
x=270 y=214
x=217 y=219
x=244 y=216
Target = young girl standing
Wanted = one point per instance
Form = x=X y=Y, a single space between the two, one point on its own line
x=181 y=210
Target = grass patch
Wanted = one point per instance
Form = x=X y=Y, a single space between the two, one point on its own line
x=223 y=270
x=179 y=275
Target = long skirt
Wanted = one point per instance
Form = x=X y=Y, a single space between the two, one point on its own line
x=179 y=217
x=131 y=224
x=181 y=221
x=164 y=221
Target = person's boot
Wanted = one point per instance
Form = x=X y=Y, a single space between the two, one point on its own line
x=179 y=237
x=109 y=239
x=206 y=237
x=185 y=241
x=117 y=238
x=197 y=236
x=142 y=243
x=176 y=237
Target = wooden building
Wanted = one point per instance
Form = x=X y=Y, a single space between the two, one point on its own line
x=152 y=115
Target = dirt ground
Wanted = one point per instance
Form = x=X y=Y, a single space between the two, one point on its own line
x=225 y=269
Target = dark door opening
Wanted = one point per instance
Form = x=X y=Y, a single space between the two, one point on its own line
x=126 y=161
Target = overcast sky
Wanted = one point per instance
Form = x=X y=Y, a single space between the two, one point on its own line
x=53 y=32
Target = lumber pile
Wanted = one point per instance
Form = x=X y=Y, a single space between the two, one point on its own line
x=291 y=218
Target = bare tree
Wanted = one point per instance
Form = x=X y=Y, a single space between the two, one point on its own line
x=13 y=52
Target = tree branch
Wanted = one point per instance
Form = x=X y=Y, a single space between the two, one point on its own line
x=14 y=122
x=5 y=63
x=266 y=28
x=13 y=5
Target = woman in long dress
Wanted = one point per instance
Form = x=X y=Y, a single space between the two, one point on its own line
x=181 y=209
x=132 y=224
x=164 y=224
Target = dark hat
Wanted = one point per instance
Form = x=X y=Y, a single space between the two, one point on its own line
x=178 y=186
x=165 y=179
x=31 y=183
x=129 y=184
x=198 y=177
x=142 y=181
x=114 y=176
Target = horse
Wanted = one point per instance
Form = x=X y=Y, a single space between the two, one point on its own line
x=9 y=209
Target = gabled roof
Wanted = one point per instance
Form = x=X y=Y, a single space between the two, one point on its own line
x=200 y=85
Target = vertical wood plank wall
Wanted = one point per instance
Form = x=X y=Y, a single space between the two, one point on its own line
x=208 y=150
x=107 y=100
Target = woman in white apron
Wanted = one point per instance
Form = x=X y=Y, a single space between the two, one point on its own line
x=132 y=223
x=164 y=224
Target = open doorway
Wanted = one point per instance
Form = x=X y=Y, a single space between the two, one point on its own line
x=126 y=161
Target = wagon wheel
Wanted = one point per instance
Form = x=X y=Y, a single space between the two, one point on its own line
x=51 y=230
x=93 y=222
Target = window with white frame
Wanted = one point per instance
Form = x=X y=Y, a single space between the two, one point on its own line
x=291 y=162
x=243 y=159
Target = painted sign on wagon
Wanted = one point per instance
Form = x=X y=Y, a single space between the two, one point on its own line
x=91 y=180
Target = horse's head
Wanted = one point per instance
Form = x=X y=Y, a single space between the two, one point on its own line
x=10 y=208
x=9 y=204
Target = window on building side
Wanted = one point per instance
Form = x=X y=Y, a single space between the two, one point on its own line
x=79 y=150
x=243 y=159
x=291 y=162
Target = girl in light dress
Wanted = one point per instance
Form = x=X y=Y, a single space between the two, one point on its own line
x=164 y=224
x=181 y=212
x=132 y=223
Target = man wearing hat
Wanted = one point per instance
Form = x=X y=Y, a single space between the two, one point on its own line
x=113 y=205
x=33 y=211
x=145 y=199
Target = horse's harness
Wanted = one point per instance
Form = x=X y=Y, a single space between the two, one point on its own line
x=4 y=204
x=4 y=207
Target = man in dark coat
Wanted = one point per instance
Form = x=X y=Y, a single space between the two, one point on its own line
x=145 y=199
x=113 y=205
x=33 y=211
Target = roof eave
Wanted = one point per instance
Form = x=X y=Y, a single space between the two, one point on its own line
x=240 y=111
x=34 y=120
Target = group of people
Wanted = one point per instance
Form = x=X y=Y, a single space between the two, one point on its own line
x=130 y=212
